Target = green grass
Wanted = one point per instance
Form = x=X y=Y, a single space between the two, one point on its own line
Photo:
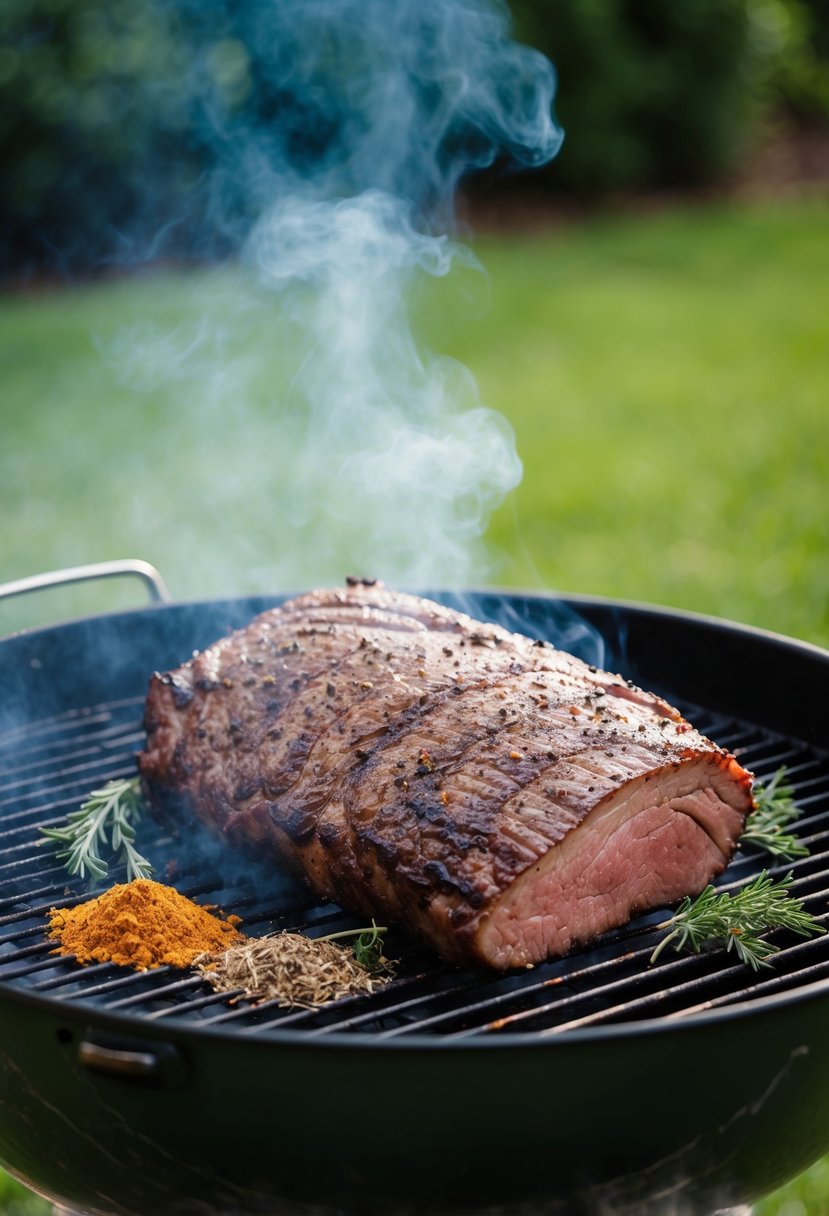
x=666 y=376
x=669 y=384
x=17 y=1200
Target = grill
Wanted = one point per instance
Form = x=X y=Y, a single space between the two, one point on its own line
x=48 y=768
x=598 y=1082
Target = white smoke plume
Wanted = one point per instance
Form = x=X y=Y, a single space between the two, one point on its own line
x=397 y=455
x=376 y=457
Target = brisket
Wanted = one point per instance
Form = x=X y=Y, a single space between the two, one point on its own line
x=496 y=796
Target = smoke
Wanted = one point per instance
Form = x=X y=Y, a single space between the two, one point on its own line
x=397 y=458
x=339 y=130
x=343 y=96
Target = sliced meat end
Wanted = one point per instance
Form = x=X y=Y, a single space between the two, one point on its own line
x=658 y=838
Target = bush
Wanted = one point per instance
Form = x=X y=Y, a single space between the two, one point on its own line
x=144 y=128
x=650 y=94
x=82 y=87
x=800 y=75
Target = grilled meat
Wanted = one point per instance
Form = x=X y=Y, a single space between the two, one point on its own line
x=499 y=797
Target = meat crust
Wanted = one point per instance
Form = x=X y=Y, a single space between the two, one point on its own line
x=496 y=796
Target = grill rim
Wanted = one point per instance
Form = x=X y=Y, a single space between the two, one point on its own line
x=260 y=601
x=237 y=610
x=138 y=1027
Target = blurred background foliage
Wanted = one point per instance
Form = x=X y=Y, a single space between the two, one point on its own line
x=674 y=95
x=115 y=114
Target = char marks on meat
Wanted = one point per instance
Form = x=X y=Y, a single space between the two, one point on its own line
x=498 y=797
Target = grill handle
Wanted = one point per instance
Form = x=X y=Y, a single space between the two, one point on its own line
x=133 y=1060
x=98 y=570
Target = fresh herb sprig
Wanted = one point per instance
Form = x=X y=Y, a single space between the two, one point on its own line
x=718 y=918
x=106 y=820
x=367 y=947
x=775 y=809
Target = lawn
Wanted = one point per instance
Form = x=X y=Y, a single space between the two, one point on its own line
x=666 y=377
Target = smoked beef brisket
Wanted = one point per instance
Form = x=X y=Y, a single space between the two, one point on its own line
x=496 y=796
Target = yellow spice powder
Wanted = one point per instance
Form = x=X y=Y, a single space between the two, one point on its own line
x=141 y=924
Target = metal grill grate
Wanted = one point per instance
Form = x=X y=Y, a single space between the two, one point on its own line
x=48 y=767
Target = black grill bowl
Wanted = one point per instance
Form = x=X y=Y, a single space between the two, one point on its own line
x=593 y=1084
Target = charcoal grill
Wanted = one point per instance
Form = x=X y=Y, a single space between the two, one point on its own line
x=596 y=1083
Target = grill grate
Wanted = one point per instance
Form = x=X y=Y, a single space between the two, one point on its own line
x=49 y=766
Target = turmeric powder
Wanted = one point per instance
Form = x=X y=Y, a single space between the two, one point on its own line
x=141 y=924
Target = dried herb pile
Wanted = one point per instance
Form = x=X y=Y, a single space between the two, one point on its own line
x=292 y=970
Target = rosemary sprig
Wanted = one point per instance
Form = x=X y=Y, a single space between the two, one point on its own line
x=737 y=921
x=368 y=946
x=775 y=809
x=107 y=819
